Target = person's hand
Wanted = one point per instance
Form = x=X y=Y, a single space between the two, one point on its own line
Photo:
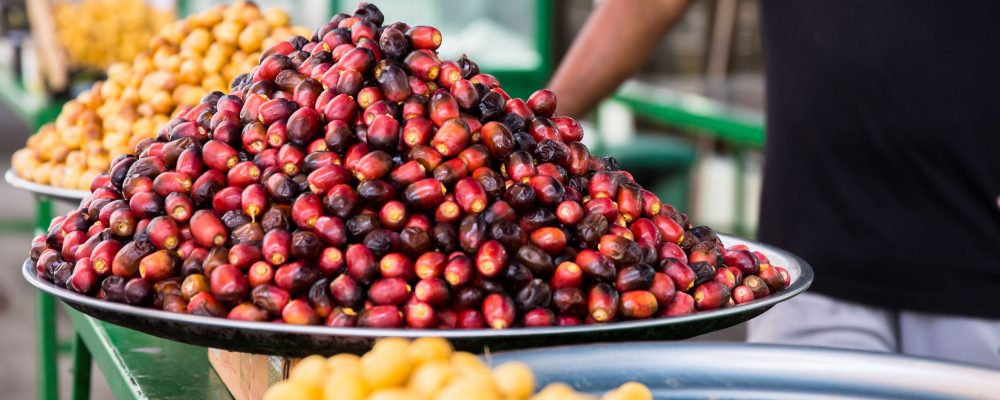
x=614 y=43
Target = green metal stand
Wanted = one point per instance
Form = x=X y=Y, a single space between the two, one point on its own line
x=48 y=343
x=81 y=369
x=48 y=360
x=140 y=366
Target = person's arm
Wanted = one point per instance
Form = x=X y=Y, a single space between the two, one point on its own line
x=616 y=40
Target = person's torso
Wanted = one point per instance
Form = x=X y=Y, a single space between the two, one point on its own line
x=883 y=151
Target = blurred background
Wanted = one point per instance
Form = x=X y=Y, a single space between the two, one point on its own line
x=690 y=126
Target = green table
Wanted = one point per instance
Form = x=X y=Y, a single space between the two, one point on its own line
x=140 y=366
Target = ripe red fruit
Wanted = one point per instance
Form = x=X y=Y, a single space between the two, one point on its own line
x=442 y=107
x=420 y=315
x=386 y=316
x=663 y=288
x=772 y=277
x=742 y=294
x=396 y=265
x=242 y=255
x=171 y=182
x=423 y=64
x=424 y=194
x=163 y=233
x=84 y=278
x=491 y=259
x=499 y=311
x=459 y=270
x=306 y=209
x=550 y=239
x=430 y=265
x=682 y=275
x=299 y=312
x=710 y=295
x=543 y=103
x=682 y=304
x=205 y=304
x=424 y=37
x=260 y=273
x=207 y=229
x=361 y=263
x=451 y=138
x=218 y=155
x=638 y=304
x=383 y=133
x=385 y=291
x=276 y=246
x=241 y=175
x=602 y=302
x=373 y=165
x=227 y=199
x=229 y=284
x=470 y=195
x=569 y=129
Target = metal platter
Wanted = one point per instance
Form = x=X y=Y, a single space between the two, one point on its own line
x=754 y=371
x=292 y=340
x=57 y=193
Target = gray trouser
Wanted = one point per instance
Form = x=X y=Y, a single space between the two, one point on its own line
x=817 y=320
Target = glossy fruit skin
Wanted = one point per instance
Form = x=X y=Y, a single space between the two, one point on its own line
x=542 y=102
x=636 y=277
x=299 y=312
x=552 y=240
x=361 y=263
x=638 y=304
x=774 y=280
x=205 y=304
x=682 y=304
x=425 y=194
x=742 y=295
x=726 y=278
x=126 y=261
x=420 y=315
x=602 y=302
x=491 y=258
x=532 y=295
x=663 y=289
x=425 y=37
x=682 y=275
x=229 y=284
x=296 y=277
x=389 y=291
x=451 y=138
x=381 y=317
x=710 y=295
x=158 y=266
x=567 y=275
x=499 y=311
x=207 y=229
x=459 y=270
x=596 y=266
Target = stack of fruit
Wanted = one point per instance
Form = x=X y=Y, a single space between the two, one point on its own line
x=396 y=369
x=358 y=180
x=97 y=33
x=188 y=59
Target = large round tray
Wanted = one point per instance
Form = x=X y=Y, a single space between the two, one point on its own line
x=751 y=371
x=290 y=340
x=61 y=194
